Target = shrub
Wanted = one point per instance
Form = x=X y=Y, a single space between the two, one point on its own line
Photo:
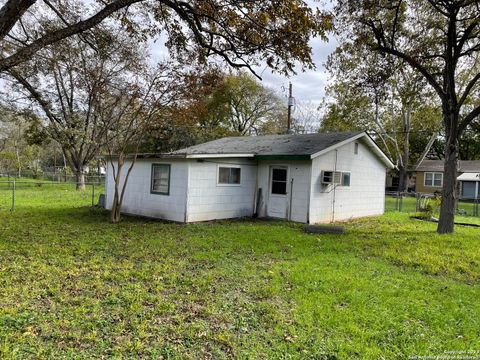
x=429 y=206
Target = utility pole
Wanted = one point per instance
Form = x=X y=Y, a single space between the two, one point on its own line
x=291 y=101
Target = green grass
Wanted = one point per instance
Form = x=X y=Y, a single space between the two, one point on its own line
x=73 y=285
x=409 y=205
x=31 y=194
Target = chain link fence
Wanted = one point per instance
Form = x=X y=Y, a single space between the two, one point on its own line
x=26 y=193
x=51 y=176
x=413 y=203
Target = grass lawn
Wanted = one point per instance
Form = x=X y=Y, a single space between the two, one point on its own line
x=408 y=205
x=74 y=286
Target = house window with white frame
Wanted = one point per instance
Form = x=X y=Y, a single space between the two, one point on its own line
x=345 y=179
x=160 y=183
x=433 y=179
x=229 y=175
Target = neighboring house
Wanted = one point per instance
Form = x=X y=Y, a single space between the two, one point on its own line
x=429 y=178
x=393 y=181
x=305 y=178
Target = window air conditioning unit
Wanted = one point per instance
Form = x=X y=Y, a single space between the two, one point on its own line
x=331 y=177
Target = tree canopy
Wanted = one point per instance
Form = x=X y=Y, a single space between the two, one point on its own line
x=240 y=32
x=440 y=40
x=384 y=96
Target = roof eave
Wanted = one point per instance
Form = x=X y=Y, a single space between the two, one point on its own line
x=283 y=157
x=373 y=146
x=146 y=156
x=209 y=156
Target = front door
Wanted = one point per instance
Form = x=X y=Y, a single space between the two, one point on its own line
x=277 y=198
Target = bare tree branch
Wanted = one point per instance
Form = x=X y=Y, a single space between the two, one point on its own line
x=11 y=12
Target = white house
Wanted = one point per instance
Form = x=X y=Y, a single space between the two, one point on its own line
x=309 y=178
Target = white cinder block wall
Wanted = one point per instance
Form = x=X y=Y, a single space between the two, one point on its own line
x=139 y=200
x=195 y=194
x=208 y=200
x=299 y=171
x=364 y=197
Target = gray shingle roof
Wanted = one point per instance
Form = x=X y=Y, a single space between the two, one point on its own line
x=306 y=144
x=437 y=165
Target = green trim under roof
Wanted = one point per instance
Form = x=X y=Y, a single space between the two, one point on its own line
x=282 y=157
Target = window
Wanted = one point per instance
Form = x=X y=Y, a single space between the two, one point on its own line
x=355 y=149
x=279 y=181
x=160 y=179
x=345 y=179
x=434 y=179
x=229 y=175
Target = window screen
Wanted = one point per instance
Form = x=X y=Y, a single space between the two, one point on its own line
x=428 y=179
x=161 y=179
x=229 y=175
x=437 y=179
x=433 y=179
x=345 y=179
x=279 y=181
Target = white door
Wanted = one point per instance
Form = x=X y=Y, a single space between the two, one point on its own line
x=278 y=193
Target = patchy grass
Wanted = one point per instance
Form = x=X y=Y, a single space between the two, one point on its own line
x=74 y=286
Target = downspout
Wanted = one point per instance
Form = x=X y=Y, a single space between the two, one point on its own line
x=291 y=199
x=310 y=191
x=256 y=194
x=334 y=186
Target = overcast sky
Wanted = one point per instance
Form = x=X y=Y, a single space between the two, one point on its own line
x=308 y=87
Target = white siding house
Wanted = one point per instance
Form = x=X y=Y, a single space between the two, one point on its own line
x=305 y=178
x=365 y=195
x=209 y=200
x=139 y=198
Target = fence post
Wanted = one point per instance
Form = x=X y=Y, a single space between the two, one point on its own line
x=13 y=196
x=93 y=194
x=400 y=201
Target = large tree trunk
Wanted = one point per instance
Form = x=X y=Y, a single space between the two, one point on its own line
x=80 y=179
x=402 y=179
x=403 y=169
x=449 y=195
